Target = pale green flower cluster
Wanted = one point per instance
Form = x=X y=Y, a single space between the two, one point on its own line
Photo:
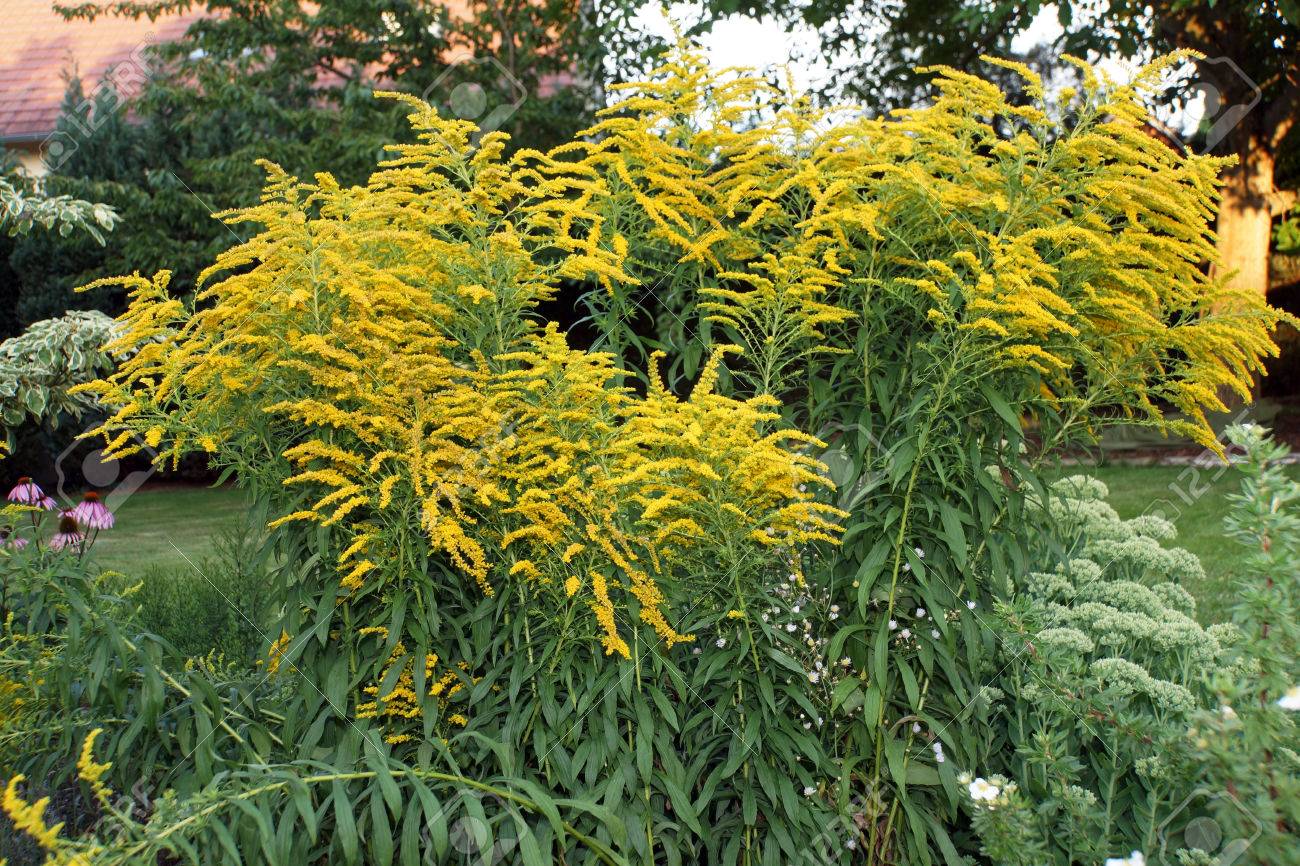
x=1116 y=607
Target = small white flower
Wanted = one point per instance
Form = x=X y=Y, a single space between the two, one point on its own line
x=790 y=627
x=1134 y=859
x=893 y=624
x=916 y=727
x=963 y=778
x=852 y=844
x=721 y=642
x=934 y=633
x=814 y=677
x=1290 y=700
x=846 y=661
x=1227 y=712
x=905 y=633
x=807 y=726
x=834 y=616
x=982 y=791
x=695 y=651
x=907 y=566
x=835 y=608
x=970 y=605
x=795 y=609
x=920 y=554
x=764 y=617
x=920 y=612
x=809 y=790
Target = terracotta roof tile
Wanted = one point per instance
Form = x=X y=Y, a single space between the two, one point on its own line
x=39 y=50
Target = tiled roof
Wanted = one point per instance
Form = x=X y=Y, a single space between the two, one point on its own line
x=39 y=50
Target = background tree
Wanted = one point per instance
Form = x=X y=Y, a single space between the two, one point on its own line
x=280 y=80
x=874 y=49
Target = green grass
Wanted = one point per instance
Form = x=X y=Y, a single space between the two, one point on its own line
x=1196 y=500
x=158 y=527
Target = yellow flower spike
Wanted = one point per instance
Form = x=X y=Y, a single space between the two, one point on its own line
x=30 y=817
x=90 y=772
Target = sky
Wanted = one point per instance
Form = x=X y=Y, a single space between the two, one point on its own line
x=742 y=41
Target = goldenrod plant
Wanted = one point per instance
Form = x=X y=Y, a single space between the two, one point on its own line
x=945 y=295
x=717 y=597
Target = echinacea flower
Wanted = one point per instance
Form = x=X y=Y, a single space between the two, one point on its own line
x=28 y=492
x=1134 y=859
x=1290 y=700
x=69 y=534
x=14 y=542
x=93 y=514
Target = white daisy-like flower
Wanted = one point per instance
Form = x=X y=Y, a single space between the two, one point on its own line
x=934 y=633
x=907 y=566
x=970 y=605
x=852 y=844
x=795 y=609
x=809 y=790
x=983 y=791
x=720 y=642
x=1136 y=858
x=893 y=624
x=814 y=677
x=791 y=627
x=920 y=612
x=905 y=633
x=1227 y=712
x=846 y=661
x=920 y=554
x=1290 y=700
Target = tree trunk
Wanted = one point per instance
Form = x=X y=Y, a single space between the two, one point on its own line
x=1245 y=217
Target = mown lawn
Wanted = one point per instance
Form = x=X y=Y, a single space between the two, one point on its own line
x=1195 y=499
x=161 y=526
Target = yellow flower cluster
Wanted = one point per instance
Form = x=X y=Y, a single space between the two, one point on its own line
x=1072 y=248
x=29 y=818
x=371 y=361
x=405 y=701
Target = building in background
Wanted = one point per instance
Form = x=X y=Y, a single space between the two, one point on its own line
x=40 y=52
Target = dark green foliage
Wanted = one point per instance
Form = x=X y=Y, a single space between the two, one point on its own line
x=221 y=604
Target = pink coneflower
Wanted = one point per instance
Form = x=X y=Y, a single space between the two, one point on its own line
x=69 y=534
x=92 y=514
x=28 y=492
x=13 y=542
